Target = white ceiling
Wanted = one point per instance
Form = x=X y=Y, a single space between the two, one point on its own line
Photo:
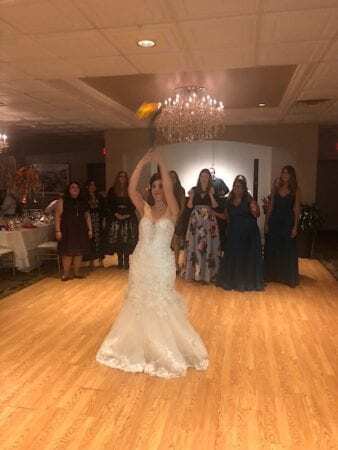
x=47 y=45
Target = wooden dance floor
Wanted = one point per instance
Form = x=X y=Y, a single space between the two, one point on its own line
x=272 y=381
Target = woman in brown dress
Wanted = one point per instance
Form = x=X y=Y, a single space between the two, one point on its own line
x=73 y=229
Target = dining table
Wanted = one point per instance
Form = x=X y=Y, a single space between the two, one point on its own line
x=23 y=241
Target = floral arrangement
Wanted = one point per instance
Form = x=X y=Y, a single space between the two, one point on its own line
x=311 y=218
x=26 y=181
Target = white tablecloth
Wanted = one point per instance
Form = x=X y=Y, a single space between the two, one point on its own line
x=24 y=242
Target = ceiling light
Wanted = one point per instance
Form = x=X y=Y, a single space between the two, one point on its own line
x=261 y=105
x=146 y=43
x=3 y=143
x=190 y=114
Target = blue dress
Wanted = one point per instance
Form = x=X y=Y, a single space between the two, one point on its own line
x=242 y=266
x=280 y=253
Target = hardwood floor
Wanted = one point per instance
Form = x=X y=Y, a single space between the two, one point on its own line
x=272 y=381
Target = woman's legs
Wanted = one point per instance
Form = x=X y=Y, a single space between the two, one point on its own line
x=77 y=265
x=120 y=259
x=66 y=264
x=126 y=260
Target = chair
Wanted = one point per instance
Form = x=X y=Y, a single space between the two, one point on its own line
x=7 y=258
x=48 y=251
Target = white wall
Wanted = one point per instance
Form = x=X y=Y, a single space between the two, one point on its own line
x=289 y=144
x=228 y=158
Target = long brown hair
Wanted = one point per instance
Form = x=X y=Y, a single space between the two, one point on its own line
x=177 y=188
x=155 y=177
x=199 y=184
x=242 y=181
x=292 y=183
x=118 y=189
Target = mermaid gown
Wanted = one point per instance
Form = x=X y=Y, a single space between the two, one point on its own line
x=152 y=333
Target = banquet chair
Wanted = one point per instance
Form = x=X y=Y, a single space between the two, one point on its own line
x=48 y=251
x=7 y=258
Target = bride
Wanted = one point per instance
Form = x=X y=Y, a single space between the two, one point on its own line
x=152 y=333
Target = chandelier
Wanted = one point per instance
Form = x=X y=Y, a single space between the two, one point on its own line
x=3 y=143
x=190 y=115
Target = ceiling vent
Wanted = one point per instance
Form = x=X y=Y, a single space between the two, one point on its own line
x=311 y=105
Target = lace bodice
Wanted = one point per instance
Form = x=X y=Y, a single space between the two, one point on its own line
x=154 y=235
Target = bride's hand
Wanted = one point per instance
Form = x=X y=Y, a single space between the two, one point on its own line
x=155 y=155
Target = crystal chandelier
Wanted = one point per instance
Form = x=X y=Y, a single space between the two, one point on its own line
x=190 y=115
x=3 y=143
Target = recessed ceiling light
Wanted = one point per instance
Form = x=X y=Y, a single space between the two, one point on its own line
x=146 y=43
x=261 y=105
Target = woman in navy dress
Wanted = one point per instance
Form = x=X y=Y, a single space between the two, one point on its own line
x=241 y=267
x=280 y=254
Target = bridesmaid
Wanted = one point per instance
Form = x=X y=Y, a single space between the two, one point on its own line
x=202 y=239
x=280 y=255
x=241 y=267
x=178 y=237
x=96 y=209
x=121 y=224
x=73 y=228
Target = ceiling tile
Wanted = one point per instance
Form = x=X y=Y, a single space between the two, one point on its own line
x=9 y=72
x=6 y=31
x=90 y=43
x=224 y=59
x=299 y=26
x=22 y=48
x=289 y=5
x=43 y=16
x=198 y=9
x=161 y=62
x=48 y=69
x=332 y=52
x=324 y=81
x=290 y=53
x=94 y=67
x=112 y=13
x=220 y=33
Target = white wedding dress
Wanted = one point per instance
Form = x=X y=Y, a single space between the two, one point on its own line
x=152 y=333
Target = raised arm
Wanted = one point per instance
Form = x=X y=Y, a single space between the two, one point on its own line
x=134 y=194
x=167 y=185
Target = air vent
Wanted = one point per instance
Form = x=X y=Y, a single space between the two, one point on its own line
x=313 y=101
x=310 y=105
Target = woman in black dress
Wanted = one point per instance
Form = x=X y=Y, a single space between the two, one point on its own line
x=280 y=253
x=202 y=239
x=73 y=229
x=121 y=222
x=96 y=209
x=241 y=267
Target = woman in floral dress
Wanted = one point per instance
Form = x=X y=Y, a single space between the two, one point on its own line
x=202 y=238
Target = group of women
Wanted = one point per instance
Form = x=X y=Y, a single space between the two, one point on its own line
x=90 y=226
